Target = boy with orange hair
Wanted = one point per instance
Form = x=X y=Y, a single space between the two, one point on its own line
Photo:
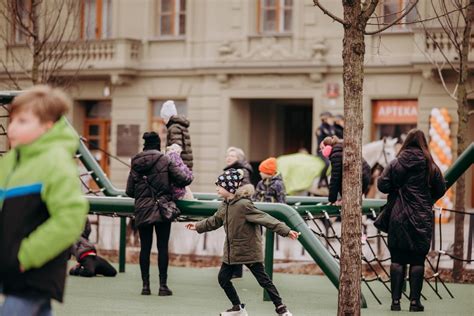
x=271 y=187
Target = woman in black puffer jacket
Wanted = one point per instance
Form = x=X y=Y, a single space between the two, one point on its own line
x=332 y=147
x=153 y=167
x=413 y=183
x=235 y=159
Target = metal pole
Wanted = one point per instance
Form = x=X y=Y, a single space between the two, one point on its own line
x=469 y=241
x=269 y=246
x=122 y=249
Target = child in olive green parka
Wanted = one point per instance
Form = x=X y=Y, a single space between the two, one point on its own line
x=243 y=245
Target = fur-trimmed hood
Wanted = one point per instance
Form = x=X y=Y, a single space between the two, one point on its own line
x=245 y=191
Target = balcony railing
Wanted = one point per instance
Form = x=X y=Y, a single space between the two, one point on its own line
x=89 y=56
x=435 y=45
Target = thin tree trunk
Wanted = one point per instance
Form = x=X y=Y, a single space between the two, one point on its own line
x=353 y=75
x=35 y=75
x=461 y=140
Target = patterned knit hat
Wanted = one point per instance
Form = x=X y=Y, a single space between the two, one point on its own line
x=230 y=180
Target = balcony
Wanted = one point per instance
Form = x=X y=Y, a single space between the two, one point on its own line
x=434 y=46
x=110 y=57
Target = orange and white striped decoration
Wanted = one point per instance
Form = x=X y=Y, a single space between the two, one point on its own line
x=441 y=150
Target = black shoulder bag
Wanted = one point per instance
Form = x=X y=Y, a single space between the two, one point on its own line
x=162 y=206
x=382 y=222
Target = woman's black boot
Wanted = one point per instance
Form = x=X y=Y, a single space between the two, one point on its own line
x=164 y=289
x=416 y=284
x=397 y=276
x=146 y=285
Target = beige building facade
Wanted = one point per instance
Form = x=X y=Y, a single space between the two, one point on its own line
x=255 y=74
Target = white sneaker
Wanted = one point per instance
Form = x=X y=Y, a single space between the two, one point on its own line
x=282 y=310
x=234 y=312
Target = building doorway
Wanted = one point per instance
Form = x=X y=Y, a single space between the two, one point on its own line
x=97 y=133
x=96 y=130
x=270 y=127
x=298 y=128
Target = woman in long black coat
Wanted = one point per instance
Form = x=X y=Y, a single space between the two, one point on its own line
x=150 y=179
x=413 y=182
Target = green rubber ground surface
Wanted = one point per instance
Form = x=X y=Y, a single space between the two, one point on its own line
x=196 y=292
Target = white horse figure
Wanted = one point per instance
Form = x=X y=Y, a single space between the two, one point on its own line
x=294 y=166
x=380 y=152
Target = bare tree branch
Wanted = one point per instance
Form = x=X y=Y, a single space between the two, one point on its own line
x=370 y=9
x=378 y=17
x=10 y=75
x=328 y=13
x=394 y=22
x=44 y=51
x=444 y=25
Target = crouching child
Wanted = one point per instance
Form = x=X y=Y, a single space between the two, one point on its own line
x=89 y=263
x=243 y=245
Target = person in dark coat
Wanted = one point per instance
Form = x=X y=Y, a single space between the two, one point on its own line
x=89 y=263
x=235 y=159
x=326 y=129
x=332 y=148
x=150 y=179
x=413 y=183
x=177 y=131
x=339 y=126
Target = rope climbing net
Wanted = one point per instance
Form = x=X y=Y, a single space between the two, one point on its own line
x=375 y=254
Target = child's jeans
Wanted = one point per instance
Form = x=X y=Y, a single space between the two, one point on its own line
x=20 y=306
x=258 y=271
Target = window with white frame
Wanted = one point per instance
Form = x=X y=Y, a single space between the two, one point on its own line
x=96 y=19
x=275 y=16
x=172 y=18
x=21 y=21
x=393 y=9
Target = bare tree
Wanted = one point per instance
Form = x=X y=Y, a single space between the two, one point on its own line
x=39 y=39
x=355 y=22
x=455 y=18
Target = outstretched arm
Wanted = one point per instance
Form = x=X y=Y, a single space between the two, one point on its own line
x=210 y=223
x=256 y=216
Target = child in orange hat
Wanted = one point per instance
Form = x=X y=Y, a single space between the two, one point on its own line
x=271 y=187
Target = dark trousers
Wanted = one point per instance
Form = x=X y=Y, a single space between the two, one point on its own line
x=323 y=178
x=162 y=231
x=93 y=265
x=90 y=266
x=258 y=271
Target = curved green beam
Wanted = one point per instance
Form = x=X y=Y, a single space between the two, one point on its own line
x=125 y=206
x=462 y=163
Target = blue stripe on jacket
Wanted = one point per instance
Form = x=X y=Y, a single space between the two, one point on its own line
x=21 y=191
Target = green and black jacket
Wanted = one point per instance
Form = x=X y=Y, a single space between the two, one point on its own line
x=42 y=213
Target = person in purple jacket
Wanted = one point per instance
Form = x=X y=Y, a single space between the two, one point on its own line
x=179 y=192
